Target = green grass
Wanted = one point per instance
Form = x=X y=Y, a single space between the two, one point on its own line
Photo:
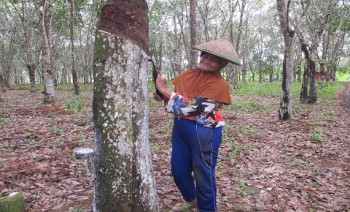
x=152 y=89
x=246 y=191
x=274 y=89
x=343 y=76
x=328 y=91
x=317 y=138
x=247 y=106
x=266 y=89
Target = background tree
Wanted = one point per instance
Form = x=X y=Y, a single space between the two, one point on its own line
x=320 y=16
x=31 y=58
x=177 y=53
x=123 y=163
x=9 y=46
x=74 y=71
x=255 y=26
x=43 y=12
x=333 y=40
x=193 y=32
x=238 y=42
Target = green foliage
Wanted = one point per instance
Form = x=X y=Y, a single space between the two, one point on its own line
x=328 y=91
x=265 y=89
x=75 y=104
x=12 y=1
x=23 y=87
x=78 y=210
x=291 y=164
x=55 y=130
x=247 y=106
x=317 y=138
x=234 y=149
x=26 y=134
x=155 y=148
x=248 y=129
x=301 y=163
x=151 y=88
x=32 y=142
x=79 y=107
x=2 y=121
x=325 y=119
x=343 y=74
x=69 y=106
x=244 y=190
x=246 y=147
x=155 y=13
x=35 y=196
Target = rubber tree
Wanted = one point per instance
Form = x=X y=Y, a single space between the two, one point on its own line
x=333 y=40
x=310 y=48
x=193 y=33
x=124 y=178
x=285 y=110
x=235 y=79
x=72 y=38
x=43 y=11
x=31 y=60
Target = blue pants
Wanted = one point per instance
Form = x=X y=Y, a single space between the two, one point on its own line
x=195 y=149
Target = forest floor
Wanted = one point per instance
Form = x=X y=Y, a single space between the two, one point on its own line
x=264 y=164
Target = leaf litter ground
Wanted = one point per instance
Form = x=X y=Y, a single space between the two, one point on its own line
x=264 y=164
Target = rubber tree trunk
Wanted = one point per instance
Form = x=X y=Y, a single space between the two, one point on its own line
x=312 y=67
x=123 y=165
x=27 y=24
x=193 y=32
x=72 y=38
x=236 y=69
x=31 y=69
x=45 y=28
x=309 y=77
x=285 y=110
x=304 y=86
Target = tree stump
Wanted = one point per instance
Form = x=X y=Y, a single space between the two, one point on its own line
x=12 y=203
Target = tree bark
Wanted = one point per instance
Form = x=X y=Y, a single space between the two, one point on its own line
x=31 y=69
x=285 y=111
x=260 y=66
x=45 y=27
x=176 y=57
x=312 y=68
x=204 y=16
x=193 y=32
x=74 y=70
x=238 y=41
x=304 y=86
x=124 y=176
x=27 y=22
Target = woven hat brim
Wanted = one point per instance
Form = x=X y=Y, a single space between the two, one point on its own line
x=222 y=48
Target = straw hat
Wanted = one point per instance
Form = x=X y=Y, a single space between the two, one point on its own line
x=222 y=48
